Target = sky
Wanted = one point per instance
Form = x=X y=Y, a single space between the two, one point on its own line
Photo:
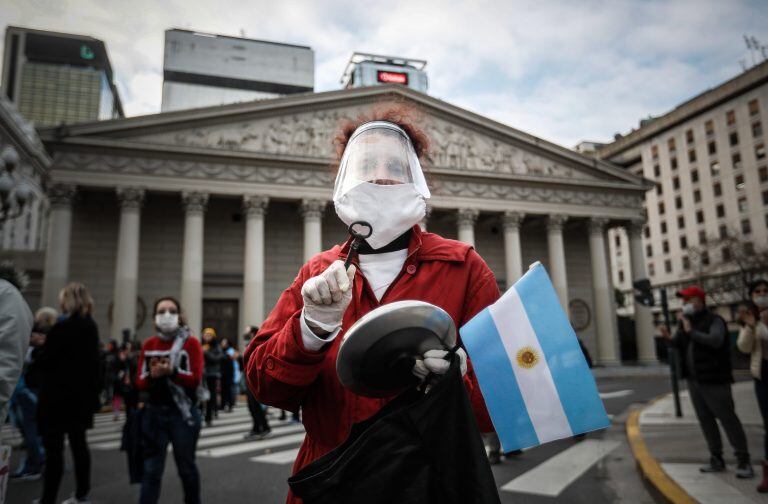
x=563 y=70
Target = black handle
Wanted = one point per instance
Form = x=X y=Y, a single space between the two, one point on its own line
x=359 y=236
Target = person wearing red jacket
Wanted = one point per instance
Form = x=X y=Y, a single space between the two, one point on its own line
x=170 y=370
x=291 y=363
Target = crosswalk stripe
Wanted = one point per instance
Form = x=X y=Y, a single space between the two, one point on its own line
x=615 y=394
x=281 y=457
x=551 y=477
x=704 y=488
x=234 y=438
x=226 y=451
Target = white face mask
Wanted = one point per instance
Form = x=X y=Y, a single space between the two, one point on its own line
x=391 y=210
x=689 y=309
x=167 y=322
x=761 y=301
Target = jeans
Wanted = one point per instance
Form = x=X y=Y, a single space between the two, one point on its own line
x=54 y=464
x=25 y=407
x=159 y=426
x=712 y=402
x=761 y=391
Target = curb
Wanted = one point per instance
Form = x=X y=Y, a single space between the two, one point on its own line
x=650 y=467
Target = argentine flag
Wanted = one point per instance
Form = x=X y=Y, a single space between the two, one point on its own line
x=532 y=374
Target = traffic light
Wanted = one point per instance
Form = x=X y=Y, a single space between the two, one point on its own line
x=643 y=292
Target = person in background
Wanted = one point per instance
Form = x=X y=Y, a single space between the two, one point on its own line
x=213 y=358
x=15 y=327
x=260 y=428
x=753 y=340
x=69 y=392
x=25 y=397
x=702 y=338
x=227 y=376
x=170 y=371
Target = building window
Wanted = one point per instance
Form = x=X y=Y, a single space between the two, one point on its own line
x=621 y=276
x=673 y=163
x=709 y=128
x=712 y=148
x=739 y=181
x=714 y=167
x=742 y=205
x=661 y=208
x=757 y=129
x=647 y=231
x=686 y=263
x=656 y=171
x=726 y=254
x=691 y=156
x=648 y=251
x=694 y=176
x=671 y=145
x=676 y=183
x=730 y=117
x=680 y=222
x=736 y=160
x=689 y=136
x=699 y=216
x=720 y=211
x=651 y=270
x=663 y=227
x=746 y=228
x=668 y=266
x=618 y=241
x=705 y=258
x=766 y=220
x=659 y=189
x=723 y=231
x=765 y=197
x=703 y=235
x=717 y=189
x=678 y=202
x=655 y=151
x=696 y=196
x=754 y=108
x=665 y=247
x=763 y=172
x=760 y=151
x=733 y=139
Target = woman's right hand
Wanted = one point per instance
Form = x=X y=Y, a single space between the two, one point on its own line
x=327 y=296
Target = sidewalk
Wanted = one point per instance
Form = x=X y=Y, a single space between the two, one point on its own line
x=631 y=371
x=669 y=451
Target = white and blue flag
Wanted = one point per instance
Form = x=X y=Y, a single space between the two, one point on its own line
x=531 y=370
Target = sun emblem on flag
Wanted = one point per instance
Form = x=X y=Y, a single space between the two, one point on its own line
x=527 y=357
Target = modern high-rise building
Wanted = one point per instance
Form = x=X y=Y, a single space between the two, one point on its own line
x=201 y=70
x=365 y=70
x=707 y=219
x=56 y=78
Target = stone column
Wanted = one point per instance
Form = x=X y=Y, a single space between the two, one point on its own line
x=425 y=220
x=194 y=204
x=466 y=221
x=557 y=257
x=513 y=256
x=253 y=279
x=127 y=265
x=646 y=346
x=56 y=273
x=312 y=212
x=602 y=291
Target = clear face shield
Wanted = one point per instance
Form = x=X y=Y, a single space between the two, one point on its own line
x=380 y=153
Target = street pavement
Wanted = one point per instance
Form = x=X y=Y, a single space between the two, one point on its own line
x=599 y=468
x=678 y=445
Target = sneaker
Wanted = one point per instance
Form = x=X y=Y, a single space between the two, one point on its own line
x=716 y=464
x=265 y=433
x=744 y=470
x=252 y=435
x=26 y=476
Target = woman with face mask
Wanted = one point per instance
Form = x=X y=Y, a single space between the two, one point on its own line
x=291 y=363
x=170 y=370
x=753 y=340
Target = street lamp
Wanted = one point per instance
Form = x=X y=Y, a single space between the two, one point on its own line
x=14 y=195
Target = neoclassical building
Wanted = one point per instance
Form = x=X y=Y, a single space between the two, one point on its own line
x=221 y=206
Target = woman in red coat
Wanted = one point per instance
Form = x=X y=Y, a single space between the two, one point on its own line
x=291 y=363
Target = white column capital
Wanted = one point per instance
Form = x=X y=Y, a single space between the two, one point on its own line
x=61 y=195
x=467 y=216
x=194 y=202
x=597 y=225
x=254 y=205
x=556 y=222
x=512 y=219
x=313 y=209
x=130 y=197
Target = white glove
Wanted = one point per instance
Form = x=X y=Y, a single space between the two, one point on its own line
x=327 y=296
x=433 y=361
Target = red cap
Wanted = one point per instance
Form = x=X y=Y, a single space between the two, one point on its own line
x=692 y=292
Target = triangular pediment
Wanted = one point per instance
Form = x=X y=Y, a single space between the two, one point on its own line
x=304 y=125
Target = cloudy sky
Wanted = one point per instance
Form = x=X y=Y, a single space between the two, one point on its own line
x=563 y=70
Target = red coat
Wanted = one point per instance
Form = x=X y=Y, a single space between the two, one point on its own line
x=282 y=373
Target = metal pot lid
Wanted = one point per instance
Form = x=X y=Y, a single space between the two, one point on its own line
x=378 y=352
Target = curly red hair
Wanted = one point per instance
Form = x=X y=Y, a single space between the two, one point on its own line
x=404 y=115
